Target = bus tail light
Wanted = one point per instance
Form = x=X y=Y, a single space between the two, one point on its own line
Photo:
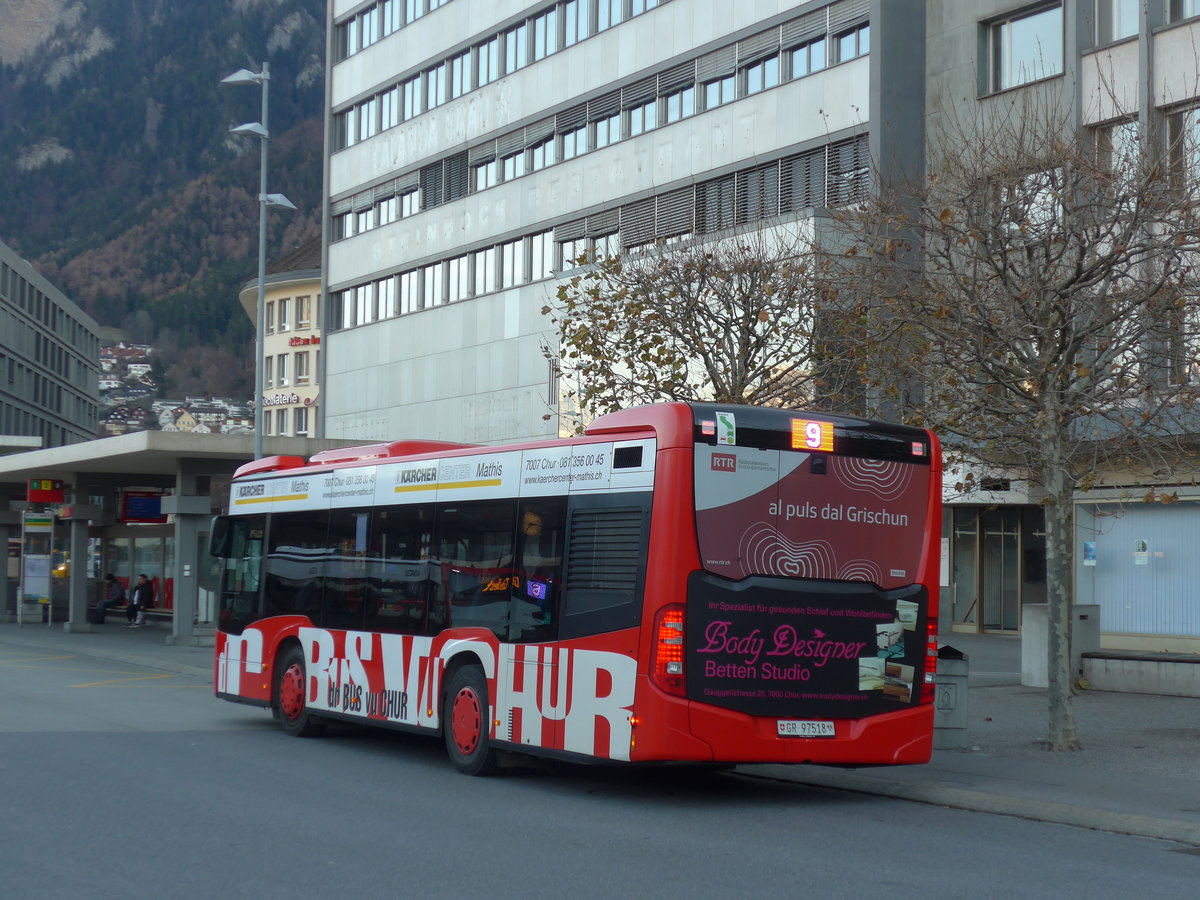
x=666 y=663
x=931 y=658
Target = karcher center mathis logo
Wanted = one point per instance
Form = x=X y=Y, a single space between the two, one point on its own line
x=419 y=476
x=251 y=490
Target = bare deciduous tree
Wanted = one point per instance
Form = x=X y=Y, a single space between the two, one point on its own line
x=729 y=320
x=1042 y=316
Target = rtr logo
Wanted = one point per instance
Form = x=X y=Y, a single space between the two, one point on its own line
x=724 y=462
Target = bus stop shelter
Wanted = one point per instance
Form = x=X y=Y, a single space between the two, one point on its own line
x=188 y=474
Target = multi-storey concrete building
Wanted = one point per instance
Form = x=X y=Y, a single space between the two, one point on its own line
x=49 y=359
x=476 y=149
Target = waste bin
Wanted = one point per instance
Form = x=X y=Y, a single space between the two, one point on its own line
x=950 y=700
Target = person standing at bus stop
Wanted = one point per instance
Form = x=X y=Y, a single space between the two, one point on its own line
x=114 y=595
x=141 y=600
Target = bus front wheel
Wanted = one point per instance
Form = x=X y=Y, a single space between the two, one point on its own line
x=466 y=717
x=290 y=681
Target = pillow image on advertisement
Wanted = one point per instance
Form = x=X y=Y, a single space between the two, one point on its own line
x=870 y=673
x=906 y=613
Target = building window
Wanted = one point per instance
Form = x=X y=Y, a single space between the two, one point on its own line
x=410 y=202
x=343 y=226
x=435 y=86
x=487 y=62
x=300 y=421
x=280 y=421
x=434 y=285
x=541 y=256
x=807 y=58
x=460 y=74
x=853 y=43
x=513 y=166
x=1184 y=133
x=345 y=128
x=1118 y=147
x=637 y=7
x=541 y=155
x=301 y=364
x=642 y=118
x=268 y=379
x=389 y=108
x=608 y=14
x=387 y=211
x=545 y=34
x=571 y=252
x=410 y=291
x=412 y=97
x=485 y=175
x=303 y=312
x=458 y=280
x=761 y=75
x=606 y=245
x=1116 y=19
x=1026 y=48
x=718 y=92
x=1184 y=9
x=284 y=315
x=485 y=270
x=680 y=104
x=516 y=48
x=606 y=131
x=269 y=318
x=572 y=143
x=512 y=264
x=575 y=21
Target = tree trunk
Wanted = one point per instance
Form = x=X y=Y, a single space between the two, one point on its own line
x=1059 y=511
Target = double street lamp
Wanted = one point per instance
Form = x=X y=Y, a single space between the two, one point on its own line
x=265 y=201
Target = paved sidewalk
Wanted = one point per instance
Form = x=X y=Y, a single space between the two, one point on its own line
x=1137 y=774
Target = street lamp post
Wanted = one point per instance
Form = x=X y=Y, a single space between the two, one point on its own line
x=265 y=200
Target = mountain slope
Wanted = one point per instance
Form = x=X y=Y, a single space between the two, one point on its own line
x=119 y=179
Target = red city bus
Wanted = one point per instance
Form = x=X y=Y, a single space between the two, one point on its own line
x=683 y=582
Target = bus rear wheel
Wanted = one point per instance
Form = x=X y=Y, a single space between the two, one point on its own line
x=290 y=680
x=466 y=718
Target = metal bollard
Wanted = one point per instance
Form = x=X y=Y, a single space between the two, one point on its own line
x=950 y=700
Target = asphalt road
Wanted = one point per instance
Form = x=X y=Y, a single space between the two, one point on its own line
x=121 y=781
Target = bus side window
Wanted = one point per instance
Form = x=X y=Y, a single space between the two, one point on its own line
x=299 y=546
x=476 y=540
x=399 y=570
x=348 y=593
x=537 y=570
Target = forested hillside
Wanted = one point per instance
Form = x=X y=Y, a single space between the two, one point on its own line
x=119 y=179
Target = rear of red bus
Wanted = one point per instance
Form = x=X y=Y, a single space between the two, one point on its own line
x=792 y=598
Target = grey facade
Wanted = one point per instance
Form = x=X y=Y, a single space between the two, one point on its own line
x=1113 y=69
x=474 y=151
x=49 y=359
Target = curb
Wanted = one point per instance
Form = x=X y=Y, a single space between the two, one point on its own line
x=980 y=801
